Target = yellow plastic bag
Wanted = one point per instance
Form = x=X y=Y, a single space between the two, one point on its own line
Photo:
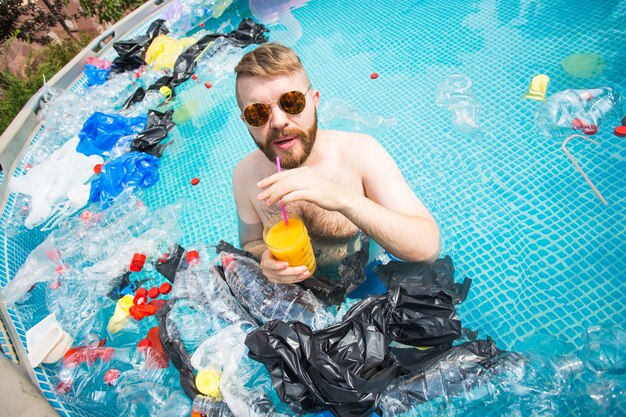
x=163 y=51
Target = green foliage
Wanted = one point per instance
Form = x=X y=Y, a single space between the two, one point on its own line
x=108 y=11
x=30 y=20
x=17 y=88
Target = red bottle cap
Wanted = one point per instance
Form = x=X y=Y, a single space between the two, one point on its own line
x=201 y=25
x=140 y=300
x=86 y=215
x=143 y=344
x=141 y=292
x=195 y=181
x=97 y=169
x=620 y=131
x=208 y=84
x=374 y=75
x=192 y=256
x=590 y=129
x=165 y=288
x=194 y=77
x=153 y=292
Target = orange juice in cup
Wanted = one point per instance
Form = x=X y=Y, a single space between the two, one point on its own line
x=289 y=242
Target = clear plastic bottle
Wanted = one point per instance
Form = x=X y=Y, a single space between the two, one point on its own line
x=569 y=111
x=269 y=301
x=209 y=407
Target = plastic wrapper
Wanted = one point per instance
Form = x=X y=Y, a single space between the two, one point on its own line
x=456 y=94
x=248 y=32
x=345 y=367
x=134 y=169
x=439 y=275
x=605 y=350
x=158 y=126
x=131 y=52
x=101 y=131
x=95 y=75
x=266 y=300
x=58 y=183
x=569 y=111
x=97 y=246
x=163 y=51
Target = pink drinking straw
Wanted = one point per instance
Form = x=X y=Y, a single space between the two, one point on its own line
x=282 y=208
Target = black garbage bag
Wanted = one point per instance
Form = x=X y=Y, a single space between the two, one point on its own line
x=345 y=367
x=248 y=32
x=136 y=97
x=131 y=53
x=158 y=126
x=169 y=266
x=439 y=275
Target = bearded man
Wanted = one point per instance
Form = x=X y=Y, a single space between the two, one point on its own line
x=339 y=183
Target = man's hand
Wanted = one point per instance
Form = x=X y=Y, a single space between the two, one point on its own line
x=302 y=184
x=280 y=272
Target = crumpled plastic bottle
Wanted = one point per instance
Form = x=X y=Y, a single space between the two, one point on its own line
x=456 y=93
x=266 y=300
x=569 y=111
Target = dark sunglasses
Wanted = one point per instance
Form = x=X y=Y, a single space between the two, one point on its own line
x=292 y=102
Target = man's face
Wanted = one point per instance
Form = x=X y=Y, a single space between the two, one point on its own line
x=289 y=136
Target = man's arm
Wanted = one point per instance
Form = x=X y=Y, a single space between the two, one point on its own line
x=389 y=212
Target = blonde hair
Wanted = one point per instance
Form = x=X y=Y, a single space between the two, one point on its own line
x=269 y=60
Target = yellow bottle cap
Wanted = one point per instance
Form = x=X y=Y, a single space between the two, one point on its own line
x=166 y=91
x=208 y=383
x=125 y=303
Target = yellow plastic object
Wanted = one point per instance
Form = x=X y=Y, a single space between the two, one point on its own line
x=538 y=87
x=163 y=51
x=120 y=316
x=166 y=91
x=208 y=383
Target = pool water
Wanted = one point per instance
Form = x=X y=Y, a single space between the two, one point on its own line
x=547 y=258
x=544 y=253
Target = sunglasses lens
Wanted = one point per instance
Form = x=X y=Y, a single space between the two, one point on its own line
x=257 y=114
x=293 y=102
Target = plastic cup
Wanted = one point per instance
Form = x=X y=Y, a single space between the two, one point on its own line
x=289 y=242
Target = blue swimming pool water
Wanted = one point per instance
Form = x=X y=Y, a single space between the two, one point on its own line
x=544 y=253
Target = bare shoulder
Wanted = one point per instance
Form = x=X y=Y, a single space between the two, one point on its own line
x=248 y=169
x=352 y=143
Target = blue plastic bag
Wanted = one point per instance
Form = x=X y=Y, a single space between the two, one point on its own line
x=102 y=131
x=95 y=75
x=129 y=170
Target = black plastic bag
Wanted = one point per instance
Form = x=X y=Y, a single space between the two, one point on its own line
x=247 y=33
x=439 y=275
x=169 y=267
x=158 y=126
x=345 y=367
x=131 y=53
x=136 y=97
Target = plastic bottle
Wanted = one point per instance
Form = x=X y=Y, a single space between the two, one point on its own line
x=605 y=350
x=269 y=301
x=456 y=93
x=569 y=111
x=204 y=406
